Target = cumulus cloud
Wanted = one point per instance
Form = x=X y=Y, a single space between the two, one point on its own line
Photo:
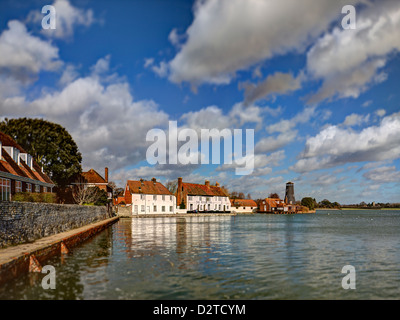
x=23 y=55
x=349 y=61
x=231 y=35
x=213 y=117
x=108 y=125
x=335 y=146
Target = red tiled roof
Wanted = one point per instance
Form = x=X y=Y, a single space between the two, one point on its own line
x=243 y=203
x=147 y=187
x=203 y=190
x=7 y=141
x=23 y=170
x=92 y=176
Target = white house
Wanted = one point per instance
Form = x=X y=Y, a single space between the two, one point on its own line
x=202 y=198
x=149 y=197
x=243 y=205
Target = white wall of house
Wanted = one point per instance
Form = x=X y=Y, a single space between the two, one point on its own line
x=242 y=209
x=153 y=204
x=208 y=203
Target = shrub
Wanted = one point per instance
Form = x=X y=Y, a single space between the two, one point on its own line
x=34 y=197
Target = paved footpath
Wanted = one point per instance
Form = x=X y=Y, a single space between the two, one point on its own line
x=29 y=256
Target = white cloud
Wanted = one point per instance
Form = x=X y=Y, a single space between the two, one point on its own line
x=231 y=35
x=108 y=125
x=277 y=83
x=380 y=112
x=335 y=146
x=349 y=61
x=23 y=55
x=287 y=125
x=271 y=143
x=161 y=70
x=68 y=18
x=383 y=174
x=355 y=120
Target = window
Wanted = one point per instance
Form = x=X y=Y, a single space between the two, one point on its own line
x=5 y=189
x=170 y=209
x=44 y=189
x=163 y=208
x=154 y=197
x=18 y=186
x=163 y=198
x=142 y=208
x=29 y=187
x=142 y=198
x=154 y=208
x=37 y=188
x=190 y=198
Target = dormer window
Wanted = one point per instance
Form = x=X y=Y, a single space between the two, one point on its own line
x=27 y=159
x=13 y=153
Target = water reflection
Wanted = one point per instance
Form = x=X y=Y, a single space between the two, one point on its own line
x=240 y=257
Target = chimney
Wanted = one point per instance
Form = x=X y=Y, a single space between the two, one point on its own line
x=217 y=184
x=179 y=192
x=154 y=180
x=141 y=181
x=106 y=174
x=207 y=183
x=180 y=184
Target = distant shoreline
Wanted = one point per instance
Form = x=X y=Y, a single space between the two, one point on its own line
x=365 y=209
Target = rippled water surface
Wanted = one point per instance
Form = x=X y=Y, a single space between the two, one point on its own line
x=232 y=257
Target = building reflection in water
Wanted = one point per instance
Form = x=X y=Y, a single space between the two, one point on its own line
x=187 y=238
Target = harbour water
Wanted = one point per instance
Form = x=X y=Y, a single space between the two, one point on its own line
x=229 y=257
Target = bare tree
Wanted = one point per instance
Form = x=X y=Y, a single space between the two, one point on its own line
x=171 y=186
x=82 y=193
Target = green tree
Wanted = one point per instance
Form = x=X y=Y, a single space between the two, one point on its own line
x=326 y=204
x=49 y=143
x=308 y=202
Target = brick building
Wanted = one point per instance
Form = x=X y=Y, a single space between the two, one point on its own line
x=19 y=172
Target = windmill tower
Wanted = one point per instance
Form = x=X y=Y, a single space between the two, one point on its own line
x=289 y=195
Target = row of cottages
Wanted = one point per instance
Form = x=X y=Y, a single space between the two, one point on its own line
x=19 y=172
x=202 y=198
x=152 y=197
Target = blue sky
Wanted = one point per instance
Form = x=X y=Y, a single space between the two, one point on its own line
x=323 y=101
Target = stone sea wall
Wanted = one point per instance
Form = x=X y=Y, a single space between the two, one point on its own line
x=22 y=222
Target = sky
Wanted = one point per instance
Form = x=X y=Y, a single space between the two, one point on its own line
x=322 y=98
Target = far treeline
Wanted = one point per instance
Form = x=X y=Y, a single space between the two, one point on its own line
x=312 y=204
